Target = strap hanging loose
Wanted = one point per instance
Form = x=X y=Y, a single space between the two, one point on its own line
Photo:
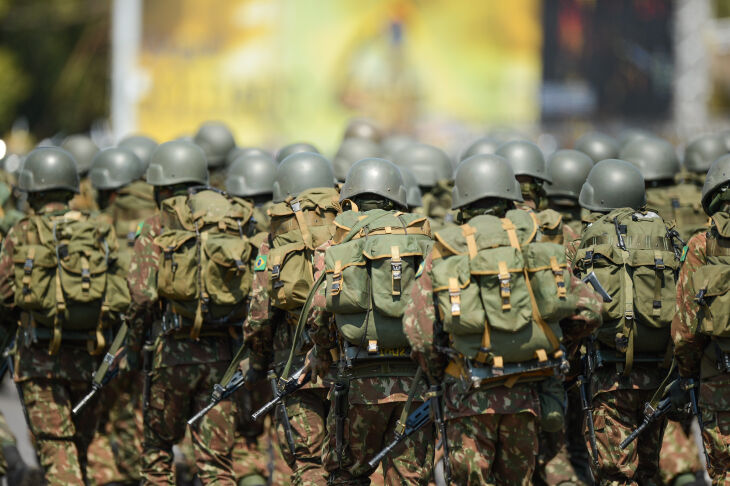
x=486 y=348
x=400 y=427
x=559 y=277
x=658 y=271
x=396 y=268
x=504 y=285
x=97 y=347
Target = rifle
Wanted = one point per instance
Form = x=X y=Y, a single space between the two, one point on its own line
x=691 y=387
x=592 y=280
x=108 y=369
x=148 y=354
x=416 y=420
x=584 y=386
x=220 y=393
x=283 y=415
x=434 y=394
x=651 y=415
x=285 y=388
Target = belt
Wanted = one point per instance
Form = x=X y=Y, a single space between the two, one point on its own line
x=611 y=356
x=396 y=368
x=510 y=373
x=357 y=353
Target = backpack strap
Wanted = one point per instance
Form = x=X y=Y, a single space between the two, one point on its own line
x=55 y=343
x=295 y=206
x=629 y=324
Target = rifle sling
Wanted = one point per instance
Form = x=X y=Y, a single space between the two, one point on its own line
x=111 y=354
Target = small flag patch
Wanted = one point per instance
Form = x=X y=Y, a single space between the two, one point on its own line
x=260 y=264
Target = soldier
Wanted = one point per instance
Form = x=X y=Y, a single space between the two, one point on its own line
x=598 y=146
x=10 y=209
x=216 y=141
x=251 y=176
x=188 y=345
x=528 y=165
x=394 y=142
x=83 y=150
x=630 y=252
x=568 y=170
x=495 y=384
x=141 y=145
x=54 y=268
x=305 y=205
x=413 y=192
x=12 y=466
x=483 y=145
x=351 y=150
x=295 y=148
x=701 y=342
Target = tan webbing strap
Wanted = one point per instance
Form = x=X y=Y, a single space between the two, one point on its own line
x=509 y=227
x=554 y=342
x=60 y=310
x=400 y=427
x=85 y=274
x=541 y=355
x=96 y=348
x=658 y=269
x=396 y=269
x=455 y=296
x=559 y=278
x=504 y=285
x=471 y=243
x=498 y=362
x=485 y=351
x=388 y=230
x=337 y=278
x=302 y=222
x=27 y=274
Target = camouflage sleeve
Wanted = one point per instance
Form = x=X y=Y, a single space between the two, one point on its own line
x=7 y=282
x=321 y=325
x=587 y=317
x=688 y=346
x=257 y=330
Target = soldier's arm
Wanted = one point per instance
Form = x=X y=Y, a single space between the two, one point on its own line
x=320 y=325
x=587 y=317
x=689 y=346
x=258 y=329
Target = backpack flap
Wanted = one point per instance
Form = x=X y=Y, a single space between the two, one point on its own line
x=227 y=271
x=348 y=282
x=177 y=277
x=291 y=275
x=549 y=276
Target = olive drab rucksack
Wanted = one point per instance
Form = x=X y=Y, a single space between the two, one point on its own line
x=298 y=226
x=370 y=276
x=67 y=277
x=501 y=294
x=634 y=257
x=680 y=203
x=205 y=264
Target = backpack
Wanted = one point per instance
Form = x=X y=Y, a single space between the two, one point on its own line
x=67 y=276
x=369 y=276
x=298 y=226
x=205 y=263
x=632 y=254
x=681 y=204
x=501 y=294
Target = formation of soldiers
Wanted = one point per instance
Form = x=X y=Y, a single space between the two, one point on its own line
x=509 y=321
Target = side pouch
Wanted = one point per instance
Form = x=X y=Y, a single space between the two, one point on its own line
x=35 y=270
x=459 y=301
x=177 y=277
x=291 y=275
x=348 y=282
x=711 y=284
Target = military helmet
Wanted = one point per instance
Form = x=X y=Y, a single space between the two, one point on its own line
x=236 y=152
x=299 y=172
x=114 y=168
x=177 y=162
x=612 y=184
x=375 y=176
x=656 y=158
x=413 y=192
x=429 y=164
x=526 y=159
x=295 y=148
x=717 y=176
x=216 y=140
x=251 y=175
x=726 y=138
x=142 y=147
x=598 y=146
x=352 y=150
x=702 y=152
x=482 y=176
x=393 y=143
x=631 y=134
x=363 y=128
x=484 y=145
x=568 y=170
x=83 y=150
x=48 y=169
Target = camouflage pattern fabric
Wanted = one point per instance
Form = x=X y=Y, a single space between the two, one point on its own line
x=6 y=439
x=251 y=454
x=577 y=450
x=85 y=200
x=436 y=204
x=554 y=467
x=679 y=454
x=126 y=423
x=261 y=217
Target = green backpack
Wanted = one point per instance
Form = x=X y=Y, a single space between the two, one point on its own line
x=298 y=226
x=680 y=203
x=501 y=294
x=632 y=254
x=205 y=264
x=67 y=276
x=369 y=276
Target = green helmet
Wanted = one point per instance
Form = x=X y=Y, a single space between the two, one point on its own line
x=393 y=143
x=141 y=146
x=236 y=152
x=655 y=158
x=177 y=162
x=631 y=134
x=48 y=169
x=114 y=168
x=295 y=148
x=83 y=150
x=598 y=146
x=363 y=128
x=413 y=192
x=484 y=145
x=482 y=176
x=429 y=164
x=717 y=176
x=375 y=176
x=612 y=184
x=352 y=150
x=216 y=140
x=726 y=138
x=702 y=152
x=568 y=169
x=526 y=159
x=251 y=175
x=299 y=172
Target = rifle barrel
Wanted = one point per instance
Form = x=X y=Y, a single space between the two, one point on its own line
x=202 y=412
x=373 y=463
x=632 y=437
x=79 y=406
x=267 y=407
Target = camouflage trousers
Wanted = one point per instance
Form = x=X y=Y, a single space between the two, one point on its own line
x=716 y=436
x=367 y=429
x=177 y=392
x=61 y=440
x=680 y=454
x=553 y=462
x=615 y=415
x=6 y=439
x=574 y=423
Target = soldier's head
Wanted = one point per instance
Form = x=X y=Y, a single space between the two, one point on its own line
x=656 y=159
x=413 y=192
x=484 y=145
x=236 y=152
x=702 y=152
x=613 y=184
x=174 y=167
x=216 y=140
x=83 y=150
x=528 y=164
x=351 y=150
x=568 y=170
x=48 y=175
x=295 y=148
x=111 y=170
x=716 y=191
x=484 y=184
x=374 y=183
x=251 y=176
x=141 y=145
x=598 y=146
x=363 y=128
x=429 y=164
x=302 y=171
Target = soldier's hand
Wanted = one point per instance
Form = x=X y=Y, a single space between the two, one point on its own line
x=318 y=363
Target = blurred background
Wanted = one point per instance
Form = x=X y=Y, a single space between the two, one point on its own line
x=283 y=70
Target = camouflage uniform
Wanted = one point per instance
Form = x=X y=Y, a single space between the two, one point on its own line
x=183 y=373
x=9 y=213
x=6 y=439
x=436 y=204
x=85 y=200
x=50 y=384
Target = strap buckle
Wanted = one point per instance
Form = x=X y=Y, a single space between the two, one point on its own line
x=295 y=206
